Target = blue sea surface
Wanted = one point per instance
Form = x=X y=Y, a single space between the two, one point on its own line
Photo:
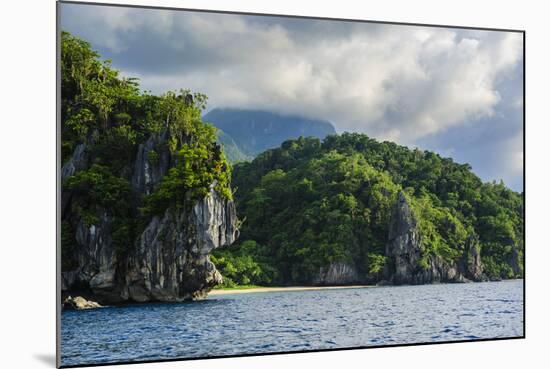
x=237 y=324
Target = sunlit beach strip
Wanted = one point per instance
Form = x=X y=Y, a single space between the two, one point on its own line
x=281 y=289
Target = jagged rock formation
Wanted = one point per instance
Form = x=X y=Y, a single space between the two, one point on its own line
x=471 y=261
x=169 y=260
x=406 y=259
x=337 y=273
x=404 y=246
x=79 y=303
x=78 y=161
x=148 y=173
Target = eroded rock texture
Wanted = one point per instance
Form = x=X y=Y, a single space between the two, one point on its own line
x=168 y=261
x=409 y=263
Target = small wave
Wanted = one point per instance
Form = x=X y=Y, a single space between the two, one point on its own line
x=299 y=345
x=501 y=300
x=387 y=323
x=265 y=346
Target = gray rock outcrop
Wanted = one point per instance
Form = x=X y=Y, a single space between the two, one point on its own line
x=153 y=160
x=169 y=259
x=404 y=247
x=473 y=269
x=407 y=261
x=96 y=258
x=337 y=273
x=78 y=161
x=79 y=303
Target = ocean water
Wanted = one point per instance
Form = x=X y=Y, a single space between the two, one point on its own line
x=293 y=321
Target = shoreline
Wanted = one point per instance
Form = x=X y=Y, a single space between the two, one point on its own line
x=283 y=289
x=245 y=290
x=231 y=291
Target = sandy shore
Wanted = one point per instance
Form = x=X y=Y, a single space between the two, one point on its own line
x=281 y=289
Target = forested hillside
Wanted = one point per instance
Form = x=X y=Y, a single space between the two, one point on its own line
x=311 y=203
x=339 y=210
x=138 y=173
x=113 y=116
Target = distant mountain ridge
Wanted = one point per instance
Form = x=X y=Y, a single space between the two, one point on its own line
x=254 y=131
x=231 y=149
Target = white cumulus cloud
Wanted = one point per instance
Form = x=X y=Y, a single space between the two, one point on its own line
x=402 y=83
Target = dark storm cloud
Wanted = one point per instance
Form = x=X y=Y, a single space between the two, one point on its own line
x=454 y=91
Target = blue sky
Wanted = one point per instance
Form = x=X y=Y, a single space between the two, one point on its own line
x=458 y=92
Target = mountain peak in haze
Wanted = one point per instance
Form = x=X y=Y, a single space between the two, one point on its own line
x=255 y=131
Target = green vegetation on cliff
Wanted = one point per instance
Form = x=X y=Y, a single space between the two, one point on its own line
x=111 y=117
x=305 y=206
x=310 y=203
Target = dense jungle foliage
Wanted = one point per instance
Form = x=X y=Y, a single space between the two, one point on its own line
x=312 y=202
x=303 y=205
x=112 y=116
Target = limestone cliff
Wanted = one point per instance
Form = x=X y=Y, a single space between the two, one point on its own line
x=337 y=273
x=409 y=263
x=168 y=260
x=171 y=262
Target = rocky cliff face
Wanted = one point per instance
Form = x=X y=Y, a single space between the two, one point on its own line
x=169 y=260
x=404 y=245
x=471 y=261
x=406 y=259
x=147 y=173
x=337 y=273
